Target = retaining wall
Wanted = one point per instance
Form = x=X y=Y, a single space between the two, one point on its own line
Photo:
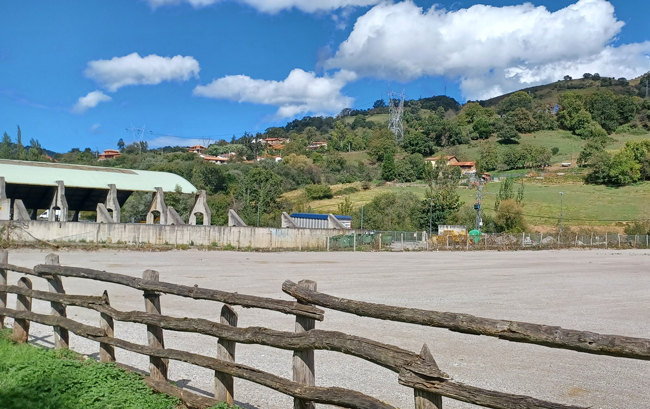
x=130 y=233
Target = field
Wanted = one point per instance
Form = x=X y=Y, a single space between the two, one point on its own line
x=583 y=205
x=600 y=291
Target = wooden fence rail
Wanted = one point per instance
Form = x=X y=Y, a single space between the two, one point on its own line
x=417 y=371
x=545 y=335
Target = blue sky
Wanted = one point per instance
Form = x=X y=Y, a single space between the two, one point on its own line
x=78 y=73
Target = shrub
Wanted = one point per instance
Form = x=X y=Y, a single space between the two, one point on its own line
x=555 y=150
x=318 y=192
x=366 y=185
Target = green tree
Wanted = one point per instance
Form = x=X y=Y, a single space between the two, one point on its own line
x=570 y=105
x=482 y=127
x=518 y=100
x=381 y=142
x=523 y=121
x=509 y=217
x=20 y=149
x=508 y=133
x=209 y=177
x=603 y=109
x=392 y=211
x=121 y=145
x=5 y=148
x=345 y=207
x=297 y=144
x=388 y=171
x=417 y=142
x=339 y=134
x=506 y=192
x=489 y=157
x=259 y=189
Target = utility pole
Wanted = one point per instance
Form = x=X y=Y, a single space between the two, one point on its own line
x=646 y=88
x=477 y=206
x=361 y=217
x=561 y=212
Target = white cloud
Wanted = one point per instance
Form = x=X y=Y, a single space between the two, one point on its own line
x=275 y=6
x=299 y=93
x=132 y=69
x=96 y=129
x=90 y=101
x=491 y=50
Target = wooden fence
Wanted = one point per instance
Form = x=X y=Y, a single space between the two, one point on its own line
x=417 y=371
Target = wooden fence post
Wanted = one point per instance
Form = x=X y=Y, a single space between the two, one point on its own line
x=4 y=259
x=224 y=389
x=23 y=303
x=424 y=399
x=157 y=366
x=303 y=361
x=61 y=335
x=107 y=352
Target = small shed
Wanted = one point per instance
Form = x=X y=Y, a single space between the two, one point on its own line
x=319 y=221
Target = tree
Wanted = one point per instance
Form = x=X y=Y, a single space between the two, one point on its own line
x=523 y=121
x=506 y=192
x=587 y=76
x=603 y=109
x=381 y=142
x=417 y=142
x=482 y=127
x=515 y=101
x=380 y=103
x=259 y=189
x=568 y=78
x=34 y=150
x=570 y=105
x=392 y=211
x=489 y=157
x=388 y=171
x=339 y=134
x=509 y=217
x=508 y=133
x=121 y=144
x=5 y=148
x=209 y=177
x=20 y=149
x=345 y=207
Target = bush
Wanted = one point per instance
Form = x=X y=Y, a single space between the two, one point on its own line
x=510 y=217
x=555 y=150
x=346 y=191
x=318 y=192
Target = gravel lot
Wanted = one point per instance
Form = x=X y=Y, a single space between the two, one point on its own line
x=601 y=291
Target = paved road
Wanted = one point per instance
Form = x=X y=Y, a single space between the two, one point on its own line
x=601 y=291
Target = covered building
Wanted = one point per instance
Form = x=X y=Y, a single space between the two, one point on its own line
x=63 y=188
x=109 y=154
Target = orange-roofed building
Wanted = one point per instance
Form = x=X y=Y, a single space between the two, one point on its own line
x=197 y=149
x=448 y=159
x=109 y=154
x=467 y=168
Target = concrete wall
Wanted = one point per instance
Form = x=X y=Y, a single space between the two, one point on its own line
x=129 y=233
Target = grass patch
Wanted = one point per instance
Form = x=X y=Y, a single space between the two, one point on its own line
x=38 y=378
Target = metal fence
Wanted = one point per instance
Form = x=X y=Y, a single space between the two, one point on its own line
x=420 y=241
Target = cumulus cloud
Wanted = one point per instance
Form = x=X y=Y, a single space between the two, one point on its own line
x=491 y=50
x=132 y=69
x=90 y=101
x=275 y=6
x=299 y=93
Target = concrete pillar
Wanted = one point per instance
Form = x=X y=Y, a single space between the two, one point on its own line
x=234 y=220
x=103 y=216
x=5 y=204
x=173 y=217
x=112 y=203
x=287 y=222
x=157 y=204
x=201 y=206
x=59 y=202
x=3 y=188
x=333 y=222
x=20 y=212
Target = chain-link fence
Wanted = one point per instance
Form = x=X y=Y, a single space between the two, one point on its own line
x=420 y=241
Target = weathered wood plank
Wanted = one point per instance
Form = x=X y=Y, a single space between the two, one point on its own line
x=197 y=293
x=549 y=336
x=476 y=396
x=303 y=360
x=223 y=383
x=388 y=356
x=106 y=351
x=23 y=303
x=157 y=366
x=4 y=259
x=425 y=399
x=329 y=396
x=61 y=336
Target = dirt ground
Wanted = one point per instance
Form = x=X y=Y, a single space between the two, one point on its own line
x=598 y=290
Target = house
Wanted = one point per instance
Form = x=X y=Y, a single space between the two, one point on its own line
x=219 y=160
x=198 y=149
x=109 y=154
x=466 y=168
x=275 y=143
x=269 y=157
x=449 y=159
x=314 y=146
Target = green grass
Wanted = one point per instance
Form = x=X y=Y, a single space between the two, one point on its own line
x=37 y=378
x=583 y=205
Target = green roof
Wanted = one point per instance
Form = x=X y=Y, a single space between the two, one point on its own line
x=94 y=177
